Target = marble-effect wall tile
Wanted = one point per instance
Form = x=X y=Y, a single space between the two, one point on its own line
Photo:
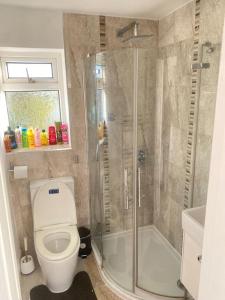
x=175 y=50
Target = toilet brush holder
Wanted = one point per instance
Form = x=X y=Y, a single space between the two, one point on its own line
x=27 y=264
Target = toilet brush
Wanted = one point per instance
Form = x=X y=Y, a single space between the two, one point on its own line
x=25 y=248
x=26 y=262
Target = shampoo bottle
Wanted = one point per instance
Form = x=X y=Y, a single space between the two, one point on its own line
x=30 y=138
x=65 y=136
x=52 y=135
x=24 y=138
x=18 y=136
x=7 y=143
x=37 y=137
x=12 y=137
x=44 y=138
x=58 y=126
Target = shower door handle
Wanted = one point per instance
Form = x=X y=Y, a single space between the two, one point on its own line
x=97 y=152
x=126 y=190
x=139 y=187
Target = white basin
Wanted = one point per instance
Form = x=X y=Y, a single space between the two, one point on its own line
x=193 y=221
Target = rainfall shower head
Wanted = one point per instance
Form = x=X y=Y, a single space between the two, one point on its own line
x=135 y=35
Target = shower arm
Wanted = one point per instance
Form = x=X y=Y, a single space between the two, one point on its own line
x=130 y=26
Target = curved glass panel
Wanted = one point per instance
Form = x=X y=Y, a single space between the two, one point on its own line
x=115 y=111
x=126 y=129
x=158 y=223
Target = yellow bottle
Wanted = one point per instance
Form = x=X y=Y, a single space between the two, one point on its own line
x=30 y=138
x=44 y=138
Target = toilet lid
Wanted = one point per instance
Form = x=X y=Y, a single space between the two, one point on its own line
x=54 y=204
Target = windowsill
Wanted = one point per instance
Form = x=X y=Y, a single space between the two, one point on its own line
x=41 y=149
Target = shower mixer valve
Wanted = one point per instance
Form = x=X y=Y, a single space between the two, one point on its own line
x=141 y=156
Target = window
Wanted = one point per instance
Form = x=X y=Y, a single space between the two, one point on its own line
x=29 y=70
x=33 y=87
x=38 y=109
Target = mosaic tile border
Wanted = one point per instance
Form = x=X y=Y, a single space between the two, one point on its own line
x=105 y=155
x=102 y=33
x=193 y=113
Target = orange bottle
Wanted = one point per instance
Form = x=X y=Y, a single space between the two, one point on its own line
x=7 y=143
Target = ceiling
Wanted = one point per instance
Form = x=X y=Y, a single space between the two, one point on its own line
x=148 y=9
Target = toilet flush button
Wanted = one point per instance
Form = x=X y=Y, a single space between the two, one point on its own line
x=53 y=191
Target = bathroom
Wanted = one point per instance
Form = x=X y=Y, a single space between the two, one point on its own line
x=139 y=85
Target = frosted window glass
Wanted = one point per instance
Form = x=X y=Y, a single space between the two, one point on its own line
x=37 y=108
x=35 y=70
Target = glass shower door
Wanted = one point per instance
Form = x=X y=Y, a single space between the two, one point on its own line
x=131 y=208
x=115 y=112
x=157 y=260
x=93 y=155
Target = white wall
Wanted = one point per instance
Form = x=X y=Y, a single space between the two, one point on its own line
x=30 y=28
x=9 y=272
x=212 y=282
x=26 y=28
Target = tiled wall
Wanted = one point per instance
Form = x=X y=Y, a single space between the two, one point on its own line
x=41 y=165
x=118 y=89
x=174 y=76
x=81 y=36
x=211 y=26
x=174 y=61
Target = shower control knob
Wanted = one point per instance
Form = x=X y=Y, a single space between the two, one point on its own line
x=141 y=156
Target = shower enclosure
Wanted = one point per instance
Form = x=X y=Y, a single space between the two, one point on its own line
x=126 y=128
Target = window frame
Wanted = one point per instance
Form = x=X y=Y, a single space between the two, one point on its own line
x=18 y=60
x=54 y=56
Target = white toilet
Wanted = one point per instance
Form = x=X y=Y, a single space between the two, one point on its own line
x=56 y=236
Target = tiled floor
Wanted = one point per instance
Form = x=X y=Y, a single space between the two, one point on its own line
x=89 y=265
x=101 y=290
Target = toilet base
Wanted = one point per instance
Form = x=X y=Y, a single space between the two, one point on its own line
x=59 y=275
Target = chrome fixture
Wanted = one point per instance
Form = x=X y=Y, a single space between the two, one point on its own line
x=132 y=26
x=199 y=66
x=126 y=189
x=209 y=49
x=139 y=187
x=141 y=156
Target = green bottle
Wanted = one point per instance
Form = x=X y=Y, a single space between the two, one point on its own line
x=24 y=138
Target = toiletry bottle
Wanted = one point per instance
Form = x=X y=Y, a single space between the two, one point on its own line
x=12 y=137
x=58 y=132
x=44 y=138
x=37 y=137
x=52 y=135
x=65 y=136
x=24 y=138
x=7 y=143
x=30 y=138
x=100 y=130
x=18 y=136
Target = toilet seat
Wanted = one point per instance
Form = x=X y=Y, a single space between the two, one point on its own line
x=73 y=245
